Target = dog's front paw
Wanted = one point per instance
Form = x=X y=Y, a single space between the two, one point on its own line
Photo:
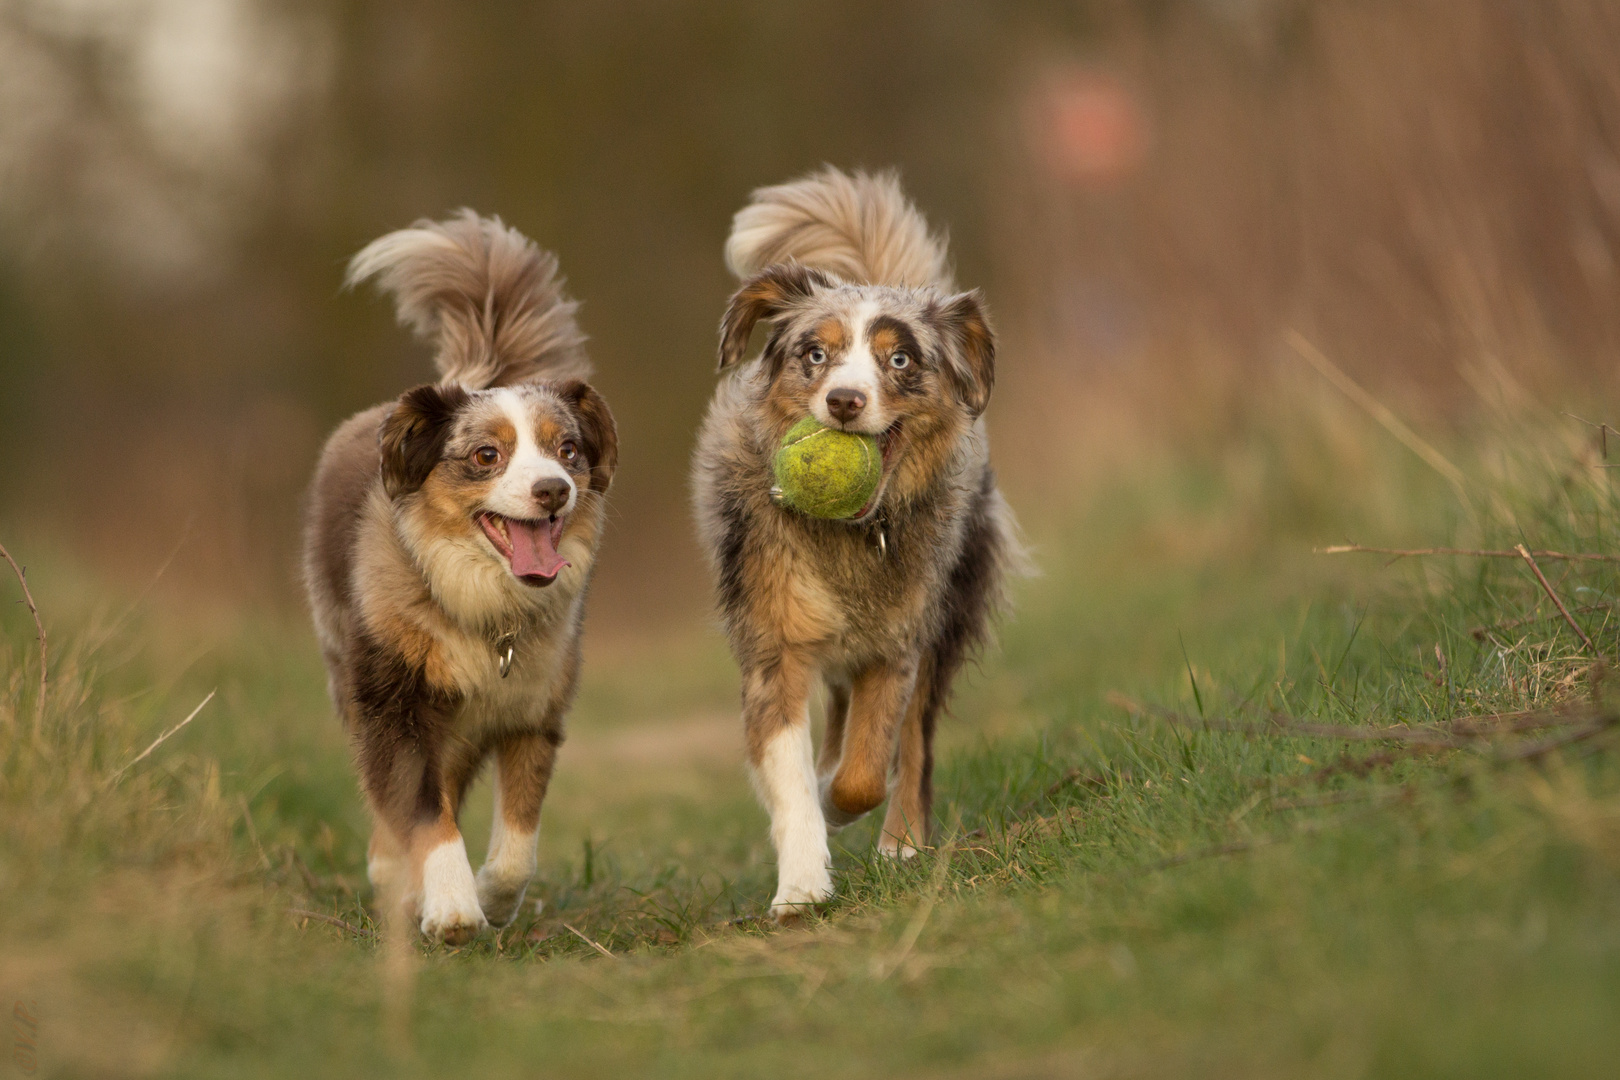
x=797 y=895
x=450 y=908
x=453 y=927
x=499 y=897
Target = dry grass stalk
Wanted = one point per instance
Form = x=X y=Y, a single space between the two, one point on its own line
x=593 y=944
x=1402 y=553
x=1559 y=604
x=1379 y=412
x=39 y=628
x=330 y=920
x=161 y=739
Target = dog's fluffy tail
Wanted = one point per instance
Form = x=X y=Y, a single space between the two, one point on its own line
x=858 y=225
x=488 y=299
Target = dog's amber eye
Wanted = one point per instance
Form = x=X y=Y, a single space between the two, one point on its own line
x=487 y=456
x=817 y=354
x=899 y=360
x=568 y=451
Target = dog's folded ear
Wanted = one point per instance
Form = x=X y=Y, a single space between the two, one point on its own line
x=972 y=349
x=766 y=295
x=597 y=429
x=412 y=438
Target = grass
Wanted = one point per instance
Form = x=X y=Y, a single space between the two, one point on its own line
x=1124 y=887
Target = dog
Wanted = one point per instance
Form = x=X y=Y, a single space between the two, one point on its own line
x=449 y=541
x=867 y=334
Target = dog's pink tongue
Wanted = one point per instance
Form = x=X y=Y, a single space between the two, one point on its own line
x=533 y=552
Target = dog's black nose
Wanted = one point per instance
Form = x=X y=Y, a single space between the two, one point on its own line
x=551 y=493
x=845 y=404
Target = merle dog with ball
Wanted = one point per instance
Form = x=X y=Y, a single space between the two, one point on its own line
x=845 y=500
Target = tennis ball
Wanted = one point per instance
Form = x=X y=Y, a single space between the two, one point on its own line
x=824 y=472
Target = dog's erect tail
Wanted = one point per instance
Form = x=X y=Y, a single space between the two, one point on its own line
x=858 y=225
x=487 y=298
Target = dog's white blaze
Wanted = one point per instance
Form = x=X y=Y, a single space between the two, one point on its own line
x=513 y=494
x=508 y=867
x=449 y=893
x=857 y=370
x=786 y=781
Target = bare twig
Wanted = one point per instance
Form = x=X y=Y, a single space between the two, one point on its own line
x=1531 y=751
x=1524 y=553
x=39 y=628
x=588 y=941
x=1312 y=802
x=161 y=739
x=1603 y=433
x=1480 y=633
x=1283 y=725
x=1401 y=553
x=1379 y=412
x=330 y=920
x=1236 y=847
x=1511 y=723
x=313 y=884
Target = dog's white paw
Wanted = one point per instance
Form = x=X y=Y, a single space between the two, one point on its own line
x=797 y=894
x=450 y=909
x=500 y=897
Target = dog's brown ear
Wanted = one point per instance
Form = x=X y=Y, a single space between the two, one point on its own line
x=412 y=438
x=597 y=430
x=766 y=295
x=972 y=360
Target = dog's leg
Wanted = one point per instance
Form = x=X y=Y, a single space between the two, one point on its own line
x=523 y=766
x=906 y=825
x=449 y=905
x=777 y=720
x=877 y=705
x=422 y=859
x=832 y=738
x=387 y=865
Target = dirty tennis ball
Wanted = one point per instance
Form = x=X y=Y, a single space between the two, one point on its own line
x=824 y=472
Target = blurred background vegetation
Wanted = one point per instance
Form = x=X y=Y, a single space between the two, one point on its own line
x=1151 y=193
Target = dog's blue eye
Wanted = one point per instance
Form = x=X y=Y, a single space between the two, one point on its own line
x=818 y=355
x=899 y=360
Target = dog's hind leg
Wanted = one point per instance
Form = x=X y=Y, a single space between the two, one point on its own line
x=387 y=865
x=523 y=765
x=906 y=825
x=776 y=716
x=878 y=703
x=832 y=738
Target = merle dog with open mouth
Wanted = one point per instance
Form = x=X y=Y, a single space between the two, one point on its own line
x=450 y=538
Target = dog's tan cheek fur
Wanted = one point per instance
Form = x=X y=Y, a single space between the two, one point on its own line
x=447 y=502
x=932 y=426
x=787 y=401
